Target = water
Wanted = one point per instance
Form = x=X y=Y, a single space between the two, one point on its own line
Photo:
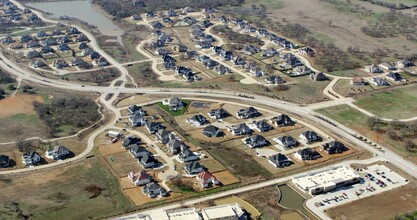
x=82 y=10
x=292 y=200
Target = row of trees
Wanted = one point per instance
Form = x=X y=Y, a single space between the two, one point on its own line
x=121 y=9
x=75 y=111
x=386 y=4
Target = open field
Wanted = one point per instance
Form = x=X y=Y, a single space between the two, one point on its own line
x=396 y=104
x=53 y=196
x=143 y=74
x=226 y=178
x=394 y=202
x=358 y=121
x=344 y=88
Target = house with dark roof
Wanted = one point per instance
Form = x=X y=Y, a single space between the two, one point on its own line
x=318 y=76
x=306 y=51
x=56 y=32
x=134 y=109
x=148 y=161
x=373 y=69
x=33 y=18
x=394 y=76
x=64 y=39
x=100 y=62
x=33 y=44
x=164 y=136
x=286 y=141
x=291 y=60
x=171 y=13
x=246 y=113
x=240 y=129
x=33 y=54
x=49 y=42
x=41 y=34
x=150 y=14
x=136 y=17
x=255 y=141
x=218 y=113
x=334 y=147
x=25 y=38
x=175 y=146
x=37 y=63
x=130 y=141
x=249 y=49
x=60 y=63
x=153 y=190
x=186 y=155
x=63 y=47
x=307 y=154
x=193 y=168
x=4 y=161
x=274 y=80
x=8 y=40
x=72 y=31
x=156 y=25
x=31 y=158
x=140 y=178
x=310 y=136
x=58 y=153
x=197 y=120
x=404 y=63
x=378 y=81
x=269 y=52
x=137 y=120
x=81 y=38
x=282 y=121
x=212 y=131
x=175 y=104
x=279 y=160
x=189 y=21
x=138 y=151
x=153 y=127
x=47 y=49
x=206 y=179
x=238 y=61
x=78 y=62
x=167 y=20
x=221 y=69
x=263 y=126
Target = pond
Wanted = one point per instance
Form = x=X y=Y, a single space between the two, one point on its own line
x=82 y=10
x=292 y=200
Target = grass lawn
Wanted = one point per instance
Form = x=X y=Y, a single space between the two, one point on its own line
x=21 y=126
x=63 y=194
x=176 y=113
x=349 y=73
x=397 y=104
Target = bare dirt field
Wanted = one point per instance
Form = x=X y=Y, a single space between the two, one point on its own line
x=132 y=100
x=137 y=196
x=19 y=104
x=226 y=178
x=108 y=149
x=123 y=163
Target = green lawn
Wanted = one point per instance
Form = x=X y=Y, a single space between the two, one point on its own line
x=176 y=113
x=345 y=115
x=397 y=104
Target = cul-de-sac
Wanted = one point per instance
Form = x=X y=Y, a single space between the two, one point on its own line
x=208 y=109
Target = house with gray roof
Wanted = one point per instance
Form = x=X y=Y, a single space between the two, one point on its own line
x=212 y=131
x=164 y=136
x=282 y=121
x=310 y=136
x=186 y=155
x=58 y=153
x=175 y=146
x=175 y=104
x=153 y=190
x=134 y=109
x=240 y=129
x=138 y=151
x=279 y=160
x=246 y=113
x=31 y=158
x=193 y=168
x=153 y=127
x=148 y=161
x=307 y=154
x=218 y=113
x=334 y=147
x=197 y=120
x=255 y=141
x=130 y=141
x=286 y=141
x=263 y=126
x=4 y=161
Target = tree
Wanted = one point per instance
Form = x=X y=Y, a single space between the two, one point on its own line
x=2 y=93
x=300 y=14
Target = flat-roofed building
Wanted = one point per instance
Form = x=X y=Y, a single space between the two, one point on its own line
x=223 y=212
x=326 y=181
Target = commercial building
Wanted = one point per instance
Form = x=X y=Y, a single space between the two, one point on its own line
x=326 y=181
x=223 y=212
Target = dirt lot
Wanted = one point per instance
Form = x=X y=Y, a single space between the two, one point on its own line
x=394 y=202
x=132 y=100
x=226 y=178
x=109 y=149
x=123 y=163
x=19 y=104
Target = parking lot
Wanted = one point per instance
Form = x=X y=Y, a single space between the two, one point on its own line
x=375 y=179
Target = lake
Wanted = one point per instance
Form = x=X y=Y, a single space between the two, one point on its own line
x=82 y=10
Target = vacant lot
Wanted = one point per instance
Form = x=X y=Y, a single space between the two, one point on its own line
x=397 y=104
x=54 y=194
x=358 y=122
x=394 y=202
x=343 y=87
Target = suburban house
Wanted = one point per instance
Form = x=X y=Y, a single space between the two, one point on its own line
x=136 y=17
x=81 y=38
x=153 y=190
x=167 y=20
x=306 y=51
x=307 y=154
x=263 y=126
x=139 y=179
x=33 y=44
x=378 y=81
x=58 y=153
x=206 y=179
x=193 y=168
x=279 y=160
x=171 y=13
x=72 y=31
x=197 y=120
x=38 y=63
x=388 y=66
x=212 y=131
x=156 y=25
x=218 y=113
x=164 y=136
x=41 y=34
x=59 y=63
x=396 y=77
x=335 y=147
x=78 y=62
x=221 y=69
x=175 y=104
x=310 y=136
x=246 y=113
x=404 y=63
x=286 y=141
x=138 y=151
x=25 y=38
x=175 y=146
x=134 y=109
x=49 y=42
x=153 y=127
x=137 y=120
x=302 y=70
x=249 y=49
x=358 y=82
x=129 y=141
x=33 y=54
x=373 y=69
x=8 y=40
x=282 y=121
x=150 y=14
x=269 y=52
x=240 y=129
x=100 y=62
x=31 y=158
x=63 y=47
x=238 y=61
x=291 y=60
x=189 y=21
x=46 y=49
x=255 y=141
x=318 y=76
x=4 y=161
x=186 y=155
x=148 y=161
x=274 y=80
